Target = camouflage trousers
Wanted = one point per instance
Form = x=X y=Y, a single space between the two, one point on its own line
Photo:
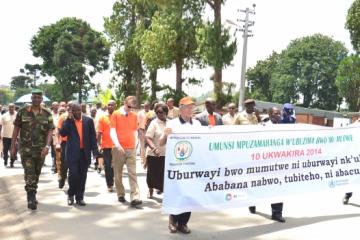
x=32 y=163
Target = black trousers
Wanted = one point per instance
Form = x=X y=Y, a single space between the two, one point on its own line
x=77 y=176
x=109 y=171
x=53 y=155
x=276 y=208
x=348 y=195
x=63 y=163
x=6 y=149
x=182 y=218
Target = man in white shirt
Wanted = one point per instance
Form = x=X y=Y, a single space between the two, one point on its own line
x=142 y=125
x=186 y=105
x=6 y=130
x=230 y=117
x=173 y=111
x=55 y=115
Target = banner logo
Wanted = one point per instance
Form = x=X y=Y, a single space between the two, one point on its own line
x=183 y=150
x=228 y=197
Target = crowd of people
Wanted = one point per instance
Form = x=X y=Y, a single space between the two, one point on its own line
x=78 y=135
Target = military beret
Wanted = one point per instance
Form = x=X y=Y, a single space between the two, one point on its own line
x=250 y=100
x=36 y=91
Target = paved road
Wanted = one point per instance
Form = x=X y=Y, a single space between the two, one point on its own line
x=311 y=217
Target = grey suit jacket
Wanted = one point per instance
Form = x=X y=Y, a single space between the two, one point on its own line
x=203 y=117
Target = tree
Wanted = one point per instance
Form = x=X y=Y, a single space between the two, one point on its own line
x=52 y=91
x=31 y=70
x=20 y=92
x=353 y=24
x=259 y=78
x=171 y=38
x=72 y=52
x=215 y=47
x=6 y=96
x=21 y=84
x=20 y=81
x=307 y=70
x=348 y=81
x=124 y=28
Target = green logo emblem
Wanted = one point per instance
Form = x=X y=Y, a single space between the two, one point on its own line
x=183 y=150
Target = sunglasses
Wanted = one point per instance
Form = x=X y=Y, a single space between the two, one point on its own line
x=160 y=112
x=130 y=107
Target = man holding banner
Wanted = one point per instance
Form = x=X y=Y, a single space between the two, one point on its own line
x=179 y=222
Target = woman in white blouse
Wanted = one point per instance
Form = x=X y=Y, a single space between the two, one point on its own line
x=155 y=154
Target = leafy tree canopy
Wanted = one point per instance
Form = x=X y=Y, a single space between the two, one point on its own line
x=353 y=24
x=348 y=81
x=72 y=52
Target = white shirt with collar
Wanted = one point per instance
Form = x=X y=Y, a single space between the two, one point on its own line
x=7 y=123
x=180 y=123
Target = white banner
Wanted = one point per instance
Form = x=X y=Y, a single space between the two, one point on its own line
x=234 y=166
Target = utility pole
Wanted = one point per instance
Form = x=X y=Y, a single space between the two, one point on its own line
x=246 y=33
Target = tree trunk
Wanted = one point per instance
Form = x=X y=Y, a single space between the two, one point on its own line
x=153 y=76
x=138 y=79
x=179 y=80
x=218 y=85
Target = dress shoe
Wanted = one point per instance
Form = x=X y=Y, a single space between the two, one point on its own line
x=252 y=209
x=61 y=183
x=172 y=227
x=345 y=200
x=70 y=200
x=184 y=229
x=278 y=217
x=122 y=199
x=11 y=165
x=159 y=192
x=135 y=202
x=80 y=202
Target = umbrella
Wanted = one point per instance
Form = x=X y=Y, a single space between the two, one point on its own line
x=27 y=99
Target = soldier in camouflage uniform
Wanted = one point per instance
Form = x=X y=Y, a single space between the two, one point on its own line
x=35 y=125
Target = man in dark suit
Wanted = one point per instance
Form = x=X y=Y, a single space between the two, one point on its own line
x=81 y=141
x=209 y=116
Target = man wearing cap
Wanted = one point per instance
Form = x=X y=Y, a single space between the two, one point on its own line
x=288 y=114
x=179 y=222
x=35 y=125
x=209 y=117
x=250 y=116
